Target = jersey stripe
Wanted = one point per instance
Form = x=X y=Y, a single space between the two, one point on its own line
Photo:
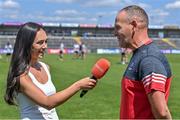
x=154 y=77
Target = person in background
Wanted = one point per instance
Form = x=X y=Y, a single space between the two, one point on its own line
x=61 y=51
x=76 y=51
x=145 y=86
x=8 y=48
x=29 y=81
x=123 y=56
x=82 y=50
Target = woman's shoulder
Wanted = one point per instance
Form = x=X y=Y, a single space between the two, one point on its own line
x=24 y=80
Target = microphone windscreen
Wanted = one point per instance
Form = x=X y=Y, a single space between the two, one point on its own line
x=100 y=68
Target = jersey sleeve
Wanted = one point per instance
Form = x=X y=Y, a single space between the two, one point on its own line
x=152 y=74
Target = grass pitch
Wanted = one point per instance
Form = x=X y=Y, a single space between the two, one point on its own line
x=100 y=103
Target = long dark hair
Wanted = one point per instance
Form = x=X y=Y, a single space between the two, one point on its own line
x=20 y=59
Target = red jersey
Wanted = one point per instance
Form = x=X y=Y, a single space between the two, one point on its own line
x=148 y=70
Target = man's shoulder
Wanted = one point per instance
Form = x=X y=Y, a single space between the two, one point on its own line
x=149 y=50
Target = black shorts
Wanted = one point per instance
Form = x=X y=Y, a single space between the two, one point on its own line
x=76 y=52
x=60 y=52
x=8 y=54
x=82 y=52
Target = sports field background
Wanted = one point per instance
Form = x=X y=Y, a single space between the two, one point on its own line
x=100 y=103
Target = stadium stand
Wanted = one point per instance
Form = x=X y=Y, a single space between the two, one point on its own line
x=94 y=36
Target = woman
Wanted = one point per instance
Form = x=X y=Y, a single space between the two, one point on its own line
x=29 y=82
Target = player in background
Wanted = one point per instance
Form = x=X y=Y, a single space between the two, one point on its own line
x=8 y=48
x=61 y=51
x=82 y=50
x=125 y=52
x=76 y=51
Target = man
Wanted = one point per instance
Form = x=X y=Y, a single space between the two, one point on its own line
x=61 y=51
x=124 y=56
x=8 y=48
x=146 y=82
x=76 y=51
x=82 y=50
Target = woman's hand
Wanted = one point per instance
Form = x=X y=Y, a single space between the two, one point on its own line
x=86 y=83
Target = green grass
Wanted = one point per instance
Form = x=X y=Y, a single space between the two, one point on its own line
x=100 y=103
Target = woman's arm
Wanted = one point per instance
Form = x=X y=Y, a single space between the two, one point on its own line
x=49 y=102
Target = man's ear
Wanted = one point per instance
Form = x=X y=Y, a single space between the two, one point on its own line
x=134 y=26
x=134 y=23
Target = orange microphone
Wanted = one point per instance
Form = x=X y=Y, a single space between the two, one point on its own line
x=98 y=71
